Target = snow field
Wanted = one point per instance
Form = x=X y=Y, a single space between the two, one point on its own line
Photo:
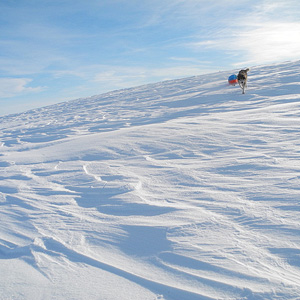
x=184 y=189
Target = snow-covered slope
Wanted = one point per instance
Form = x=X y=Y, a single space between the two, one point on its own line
x=180 y=190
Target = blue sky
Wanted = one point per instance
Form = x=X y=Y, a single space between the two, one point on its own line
x=54 y=51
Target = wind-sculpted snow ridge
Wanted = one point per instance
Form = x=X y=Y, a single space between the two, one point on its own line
x=180 y=190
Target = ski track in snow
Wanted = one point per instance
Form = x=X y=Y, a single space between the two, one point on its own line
x=183 y=189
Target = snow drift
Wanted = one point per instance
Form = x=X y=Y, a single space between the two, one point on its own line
x=183 y=189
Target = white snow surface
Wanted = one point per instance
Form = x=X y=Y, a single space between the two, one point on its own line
x=179 y=190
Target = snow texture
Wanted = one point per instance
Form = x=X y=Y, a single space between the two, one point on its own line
x=179 y=190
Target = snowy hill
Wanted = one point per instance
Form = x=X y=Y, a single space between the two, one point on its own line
x=179 y=190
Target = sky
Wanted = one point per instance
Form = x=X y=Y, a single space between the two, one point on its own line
x=59 y=50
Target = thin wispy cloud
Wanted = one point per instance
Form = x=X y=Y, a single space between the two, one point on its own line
x=127 y=76
x=10 y=87
x=270 y=42
x=271 y=32
x=267 y=33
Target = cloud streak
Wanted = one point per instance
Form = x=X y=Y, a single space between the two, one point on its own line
x=270 y=42
x=10 y=87
x=128 y=76
x=269 y=33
